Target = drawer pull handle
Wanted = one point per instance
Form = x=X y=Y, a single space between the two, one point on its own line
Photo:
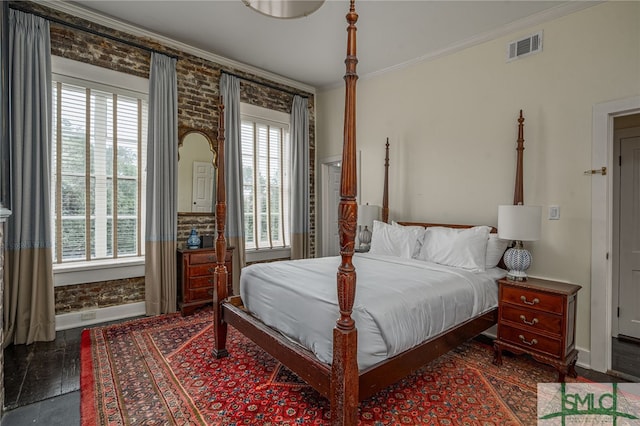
x=532 y=322
x=531 y=343
x=211 y=270
x=526 y=302
x=210 y=280
x=211 y=258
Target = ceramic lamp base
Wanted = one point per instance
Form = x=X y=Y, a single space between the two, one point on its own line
x=517 y=259
x=365 y=238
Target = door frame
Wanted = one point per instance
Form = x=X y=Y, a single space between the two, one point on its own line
x=325 y=163
x=602 y=154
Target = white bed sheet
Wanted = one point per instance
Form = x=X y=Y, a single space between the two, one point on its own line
x=399 y=303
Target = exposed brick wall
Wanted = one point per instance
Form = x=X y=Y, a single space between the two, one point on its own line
x=198 y=97
x=204 y=224
x=72 y=298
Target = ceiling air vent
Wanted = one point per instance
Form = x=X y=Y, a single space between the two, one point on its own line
x=524 y=47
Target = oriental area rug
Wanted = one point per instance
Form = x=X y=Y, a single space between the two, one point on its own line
x=159 y=371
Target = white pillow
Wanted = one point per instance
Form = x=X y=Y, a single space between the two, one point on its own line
x=420 y=230
x=463 y=248
x=495 y=250
x=390 y=240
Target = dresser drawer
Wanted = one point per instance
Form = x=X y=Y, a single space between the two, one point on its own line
x=197 y=258
x=205 y=293
x=531 y=341
x=201 y=270
x=533 y=299
x=201 y=282
x=536 y=320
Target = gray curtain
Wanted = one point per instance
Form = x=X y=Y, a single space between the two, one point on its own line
x=162 y=175
x=299 y=178
x=29 y=310
x=230 y=91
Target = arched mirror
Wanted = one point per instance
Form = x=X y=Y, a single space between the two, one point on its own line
x=197 y=159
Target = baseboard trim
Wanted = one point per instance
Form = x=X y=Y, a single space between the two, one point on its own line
x=584 y=358
x=95 y=316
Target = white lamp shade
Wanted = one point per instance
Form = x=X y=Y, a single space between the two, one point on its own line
x=285 y=8
x=519 y=223
x=367 y=214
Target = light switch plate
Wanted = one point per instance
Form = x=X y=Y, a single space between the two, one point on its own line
x=554 y=212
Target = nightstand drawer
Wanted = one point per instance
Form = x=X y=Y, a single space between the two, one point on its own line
x=202 y=270
x=196 y=258
x=536 y=320
x=531 y=341
x=532 y=299
x=203 y=293
x=201 y=282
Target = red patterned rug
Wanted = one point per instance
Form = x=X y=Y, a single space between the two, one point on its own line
x=160 y=371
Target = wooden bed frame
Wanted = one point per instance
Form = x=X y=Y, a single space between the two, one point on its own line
x=340 y=382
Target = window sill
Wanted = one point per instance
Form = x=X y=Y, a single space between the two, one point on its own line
x=97 y=270
x=267 y=254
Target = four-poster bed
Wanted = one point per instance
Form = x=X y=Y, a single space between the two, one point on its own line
x=340 y=378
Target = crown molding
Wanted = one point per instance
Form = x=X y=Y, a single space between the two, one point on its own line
x=510 y=28
x=80 y=12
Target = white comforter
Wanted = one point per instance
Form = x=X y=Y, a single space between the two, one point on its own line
x=399 y=302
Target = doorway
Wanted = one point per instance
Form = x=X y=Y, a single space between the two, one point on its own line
x=603 y=232
x=330 y=175
x=625 y=330
x=331 y=199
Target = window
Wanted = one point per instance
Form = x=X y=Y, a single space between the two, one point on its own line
x=99 y=135
x=266 y=174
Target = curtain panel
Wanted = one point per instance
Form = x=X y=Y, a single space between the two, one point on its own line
x=299 y=178
x=162 y=202
x=29 y=307
x=234 y=229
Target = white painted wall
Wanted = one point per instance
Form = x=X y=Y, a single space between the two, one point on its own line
x=452 y=128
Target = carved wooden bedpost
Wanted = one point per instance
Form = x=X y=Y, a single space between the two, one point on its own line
x=518 y=194
x=220 y=276
x=385 y=191
x=344 y=369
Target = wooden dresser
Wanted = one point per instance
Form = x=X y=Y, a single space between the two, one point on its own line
x=538 y=317
x=195 y=273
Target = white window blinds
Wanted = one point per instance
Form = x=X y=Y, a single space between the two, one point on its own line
x=99 y=154
x=266 y=174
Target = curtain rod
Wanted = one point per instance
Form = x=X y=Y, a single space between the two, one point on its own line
x=91 y=31
x=270 y=86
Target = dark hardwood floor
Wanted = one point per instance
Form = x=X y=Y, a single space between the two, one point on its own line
x=42 y=380
x=42 y=370
x=625 y=357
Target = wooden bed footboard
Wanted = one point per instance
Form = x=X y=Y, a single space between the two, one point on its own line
x=317 y=374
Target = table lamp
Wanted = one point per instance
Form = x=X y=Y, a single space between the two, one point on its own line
x=518 y=223
x=366 y=215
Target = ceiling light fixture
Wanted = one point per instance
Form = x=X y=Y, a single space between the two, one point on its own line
x=284 y=9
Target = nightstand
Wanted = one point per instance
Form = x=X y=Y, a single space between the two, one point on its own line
x=195 y=275
x=538 y=317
